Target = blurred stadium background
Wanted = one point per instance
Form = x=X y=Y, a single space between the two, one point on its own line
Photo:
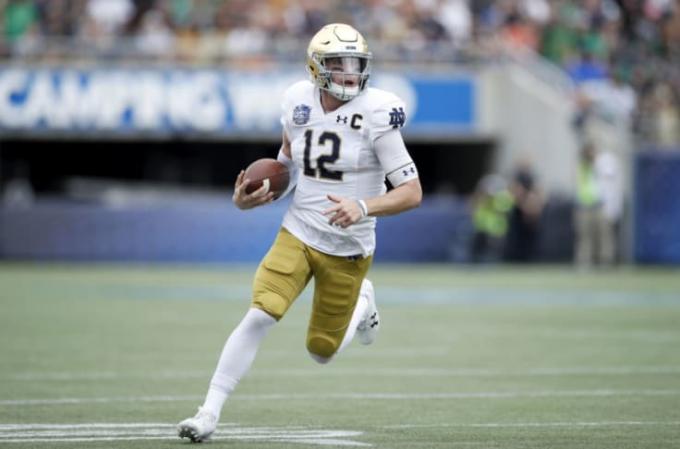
x=123 y=124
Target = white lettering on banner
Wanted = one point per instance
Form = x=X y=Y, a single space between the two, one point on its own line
x=76 y=105
x=118 y=100
x=148 y=100
x=11 y=83
x=39 y=103
x=178 y=100
x=151 y=100
x=179 y=97
x=195 y=101
x=207 y=108
x=110 y=93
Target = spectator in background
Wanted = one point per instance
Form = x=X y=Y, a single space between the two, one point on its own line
x=670 y=33
x=109 y=16
x=491 y=203
x=456 y=18
x=18 y=18
x=608 y=172
x=525 y=216
x=666 y=117
x=587 y=213
x=59 y=18
x=537 y=11
x=599 y=204
x=586 y=68
x=518 y=32
x=154 y=37
x=558 y=39
x=612 y=98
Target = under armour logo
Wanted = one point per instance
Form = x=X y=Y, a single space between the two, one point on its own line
x=408 y=170
x=341 y=119
x=397 y=117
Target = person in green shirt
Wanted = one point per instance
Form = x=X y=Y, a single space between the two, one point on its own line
x=596 y=208
x=491 y=203
x=18 y=17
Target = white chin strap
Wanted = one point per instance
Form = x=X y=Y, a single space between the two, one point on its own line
x=342 y=92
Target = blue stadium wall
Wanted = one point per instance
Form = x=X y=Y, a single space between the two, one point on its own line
x=657 y=207
x=210 y=230
x=213 y=229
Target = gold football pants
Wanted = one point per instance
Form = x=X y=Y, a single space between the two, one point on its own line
x=285 y=271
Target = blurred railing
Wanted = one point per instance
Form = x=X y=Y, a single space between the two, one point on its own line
x=211 y=49
x=548 y=73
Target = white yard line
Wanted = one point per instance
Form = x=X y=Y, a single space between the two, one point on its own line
x=383 y=353
x=94 y=432
x=378 y=372
x=475 y=372
x=97 y=400
x=539 y=424
x=306 y=441
x=90 y=432
x=648 y=336
x=43 y=426
x=84 y=440
x=356 y=396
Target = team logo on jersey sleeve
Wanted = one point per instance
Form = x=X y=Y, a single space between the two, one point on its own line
x=301 y=114
x=397 y=118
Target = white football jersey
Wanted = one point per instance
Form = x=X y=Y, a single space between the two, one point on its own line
x=335 y=154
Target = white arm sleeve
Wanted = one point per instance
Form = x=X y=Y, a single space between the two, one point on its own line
x=394 y=158
x=292 y=172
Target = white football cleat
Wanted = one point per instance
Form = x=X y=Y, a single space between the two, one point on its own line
x=199 y=428
x=367 y=329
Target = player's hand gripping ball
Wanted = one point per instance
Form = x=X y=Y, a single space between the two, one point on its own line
x=268 y=172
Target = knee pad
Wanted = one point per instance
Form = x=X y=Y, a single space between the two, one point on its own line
x=322 y=345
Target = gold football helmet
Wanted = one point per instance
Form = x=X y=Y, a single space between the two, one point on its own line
x=338 y=61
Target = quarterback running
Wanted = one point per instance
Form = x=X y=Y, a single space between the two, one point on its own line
x=341 y=139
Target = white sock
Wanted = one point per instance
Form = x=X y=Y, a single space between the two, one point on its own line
x=357 y=316
x=237 y=356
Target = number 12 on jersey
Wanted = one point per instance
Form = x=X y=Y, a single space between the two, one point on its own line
x=320 y=171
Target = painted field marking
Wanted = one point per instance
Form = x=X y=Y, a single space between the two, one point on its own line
x=355 y=396
x=648 y=336
x=379 y=372
x=93 y=432
x=90 y=432
x=44 y=426
x=539 y=424
x=99 y=400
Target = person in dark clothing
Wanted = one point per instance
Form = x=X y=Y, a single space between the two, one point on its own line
x=524 y=218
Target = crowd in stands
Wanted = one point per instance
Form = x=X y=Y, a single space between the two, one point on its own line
x=621 y=43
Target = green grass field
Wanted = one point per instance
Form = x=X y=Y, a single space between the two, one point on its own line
x=114 y=356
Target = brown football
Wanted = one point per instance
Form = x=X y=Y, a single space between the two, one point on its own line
x=267 y=171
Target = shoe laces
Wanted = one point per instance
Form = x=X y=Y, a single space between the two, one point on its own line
x=369 y=319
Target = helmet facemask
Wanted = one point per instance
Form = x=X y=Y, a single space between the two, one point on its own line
x=343 y=75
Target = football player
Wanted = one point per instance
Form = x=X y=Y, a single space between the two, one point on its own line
x=341 y=139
